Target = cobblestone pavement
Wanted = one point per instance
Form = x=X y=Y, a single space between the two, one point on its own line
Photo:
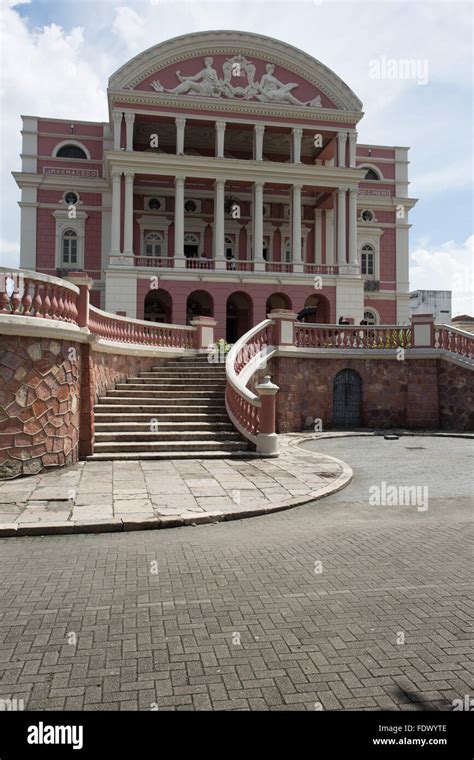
x=240 y=615
x=126 y=495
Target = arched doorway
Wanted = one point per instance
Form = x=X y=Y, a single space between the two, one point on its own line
x=347 y=400
x=277 y=301
x=238 y=316
x=199 y=304
x=316 y=310
x=158 y=306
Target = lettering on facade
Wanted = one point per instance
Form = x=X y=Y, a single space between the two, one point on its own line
x=375 y=193
x=65 y=172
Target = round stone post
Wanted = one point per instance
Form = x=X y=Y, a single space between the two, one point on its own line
x=267 y=439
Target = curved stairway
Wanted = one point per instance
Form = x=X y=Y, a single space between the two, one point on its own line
x=175 y=411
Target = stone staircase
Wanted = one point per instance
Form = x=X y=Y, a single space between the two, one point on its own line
x=175 y=411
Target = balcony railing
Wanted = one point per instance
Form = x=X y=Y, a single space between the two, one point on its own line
x=336 y=336
x=233 y=265
x=30 y=294
x=156 y=262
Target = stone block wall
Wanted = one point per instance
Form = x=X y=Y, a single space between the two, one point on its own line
x=48 y=388
x=413 y=394
x=456 y=397
x=39 y=404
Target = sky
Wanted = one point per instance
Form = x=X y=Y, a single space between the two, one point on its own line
x=56 y=58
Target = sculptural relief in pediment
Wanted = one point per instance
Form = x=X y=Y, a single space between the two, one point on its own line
x=237 y=81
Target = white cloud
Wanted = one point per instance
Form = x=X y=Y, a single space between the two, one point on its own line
x=448 y=266
x=129 y=27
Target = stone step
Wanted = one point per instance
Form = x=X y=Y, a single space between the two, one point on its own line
x=126 y=392
x=211 y=417
x=168 y=446
x=200 y=402
x=163 y=384
x=148 y=455
x=170 y=436
x=156 y=425
x=185 y=374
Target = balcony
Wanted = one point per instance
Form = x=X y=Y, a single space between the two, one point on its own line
x=233 y=265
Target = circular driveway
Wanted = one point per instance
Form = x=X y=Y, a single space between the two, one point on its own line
x=336 y=604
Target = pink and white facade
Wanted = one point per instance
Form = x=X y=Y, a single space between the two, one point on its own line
x=228 y=181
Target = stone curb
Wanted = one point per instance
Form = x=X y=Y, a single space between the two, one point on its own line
x=117 y=524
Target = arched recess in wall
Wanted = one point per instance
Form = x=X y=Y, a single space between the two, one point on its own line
x=199 y=303
x=239 y=315
x=277 y=301
x=71 y=149
x=347 y=400
x=158 y=306
x=316 y=310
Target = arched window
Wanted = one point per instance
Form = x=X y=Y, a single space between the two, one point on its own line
x=369 y=317
x=367 y=260
x=371 y=174
x=154 y=244
x=70 y=151
x=69 y=248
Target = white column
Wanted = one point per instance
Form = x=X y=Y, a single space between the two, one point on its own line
x=258 y=222
x=218 y=237
x=352 y=148
x=129 y=122
x=179 y=216
x=329 y=229
x=220 y=138
x=297 y=134
x=341 y=148
x=258 y=131
x=115 y=231
x=353 y=227
x=296 y=224
x=180 y=122
x=317 y=236
x=128 y=216
x=341 y=226
x=117 y=120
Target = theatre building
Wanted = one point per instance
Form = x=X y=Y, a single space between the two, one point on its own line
x=227 y=181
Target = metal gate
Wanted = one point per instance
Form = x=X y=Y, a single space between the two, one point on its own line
x=347 y=399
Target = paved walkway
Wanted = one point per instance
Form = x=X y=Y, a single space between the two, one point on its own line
x=131 y=495
x=239 y=615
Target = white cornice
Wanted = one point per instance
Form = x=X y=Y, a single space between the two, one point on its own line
x=248 y=108
x=233 y=169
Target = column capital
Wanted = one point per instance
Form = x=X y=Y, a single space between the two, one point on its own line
x=129 y=175
x=259 y=184
x=352 y=191
x=297 y=187
x=219 y=182
x=116 y=175
x=259 y=129
x=180 y=121
x=297 y=131
x=318 y=211
x=342 y=191
x=220 y=125
x=342 y=135
x=179 y=179
x=117 y=116
x=129 y=117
